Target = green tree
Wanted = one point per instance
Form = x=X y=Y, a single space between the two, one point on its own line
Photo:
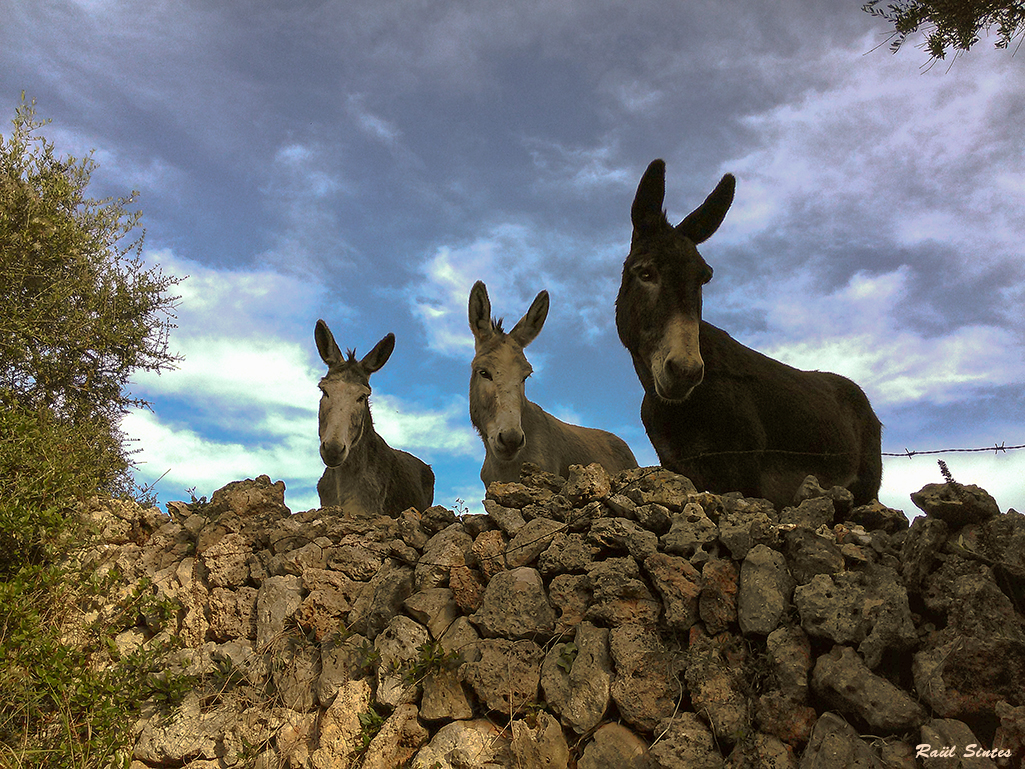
x=951 y=24
x=79 y=311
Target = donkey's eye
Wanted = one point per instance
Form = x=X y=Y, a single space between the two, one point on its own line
x=362 y=398
x=484 y=374
x=646 y=274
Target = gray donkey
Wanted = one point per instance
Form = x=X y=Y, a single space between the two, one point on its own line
x=514 y=429
x=364 y=475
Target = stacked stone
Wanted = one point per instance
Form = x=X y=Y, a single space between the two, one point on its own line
x=594 y=621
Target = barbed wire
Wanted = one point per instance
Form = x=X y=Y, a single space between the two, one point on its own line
x=996 y=449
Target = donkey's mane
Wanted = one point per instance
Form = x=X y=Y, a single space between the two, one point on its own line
x=348 y=361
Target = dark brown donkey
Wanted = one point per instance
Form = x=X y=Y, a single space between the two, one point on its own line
x=514 y=429
x=727 y=417
x=364 y=474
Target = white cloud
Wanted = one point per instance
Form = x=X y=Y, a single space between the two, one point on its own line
x=404 y=426
x=583 y=169
x=372 y=125
x=237 y=369
x=912 y=155
x=193 y=461
x=854 y=331
x=505 y=258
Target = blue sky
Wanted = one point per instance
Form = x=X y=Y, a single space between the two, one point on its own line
x=366 y=163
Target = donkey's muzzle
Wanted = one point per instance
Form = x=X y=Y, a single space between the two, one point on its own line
x=509 y=442
x=333 y=454
x=677 y=378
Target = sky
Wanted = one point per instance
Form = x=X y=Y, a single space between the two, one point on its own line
x=366 y=163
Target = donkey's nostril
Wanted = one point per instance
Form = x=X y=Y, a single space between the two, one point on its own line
x=332 y=455
x=684 y=372
x=511 y=440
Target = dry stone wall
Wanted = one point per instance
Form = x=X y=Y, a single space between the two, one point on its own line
x=588 y=622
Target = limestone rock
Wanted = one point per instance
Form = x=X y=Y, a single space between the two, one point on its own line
x=763 y=751
x=398 y=741
x=515 y=606
x=956 y=504
x=809 y=553
x=875 y=516
x=810 y=514
x=586 y=484
x=644 y=685
x=686 y=743
x=576 y=678
x=566 y=554
x=507 y=675
x=435 y=608
x=924 y=541
x=765 y=591
x=615 y=746
x=508 y=520
x=835 y=744
x=227 y=561
x=843 y=679
x=515 y=495
x=532 y=539
x=620 y=535
x=692 y=535
x=397 y=646
x=717 y=604
x=445 y=695
x=867 y=608
x=447 y=549
x=679 y=584
x=570 y=594
x=489 y=551
x=789 y=652
x=619 y=595
x=339 y=727
x=476 y=744
x=381 y=598
x=277 y=599
x=543 y=746
x=249 y=498
x=295 y=673
x=715 y=680
x=467 y=588
x=946 y=732
x=655 y=485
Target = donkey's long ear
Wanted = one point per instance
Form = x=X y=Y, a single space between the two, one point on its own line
x=701 y=223
x=479 y=312
x=651 y=192
x=529 y=326
x=326 y=346
x=377 y=357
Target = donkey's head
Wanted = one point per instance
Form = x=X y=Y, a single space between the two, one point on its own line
x=658 y=310
x=345 y=391
x=499 y=371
